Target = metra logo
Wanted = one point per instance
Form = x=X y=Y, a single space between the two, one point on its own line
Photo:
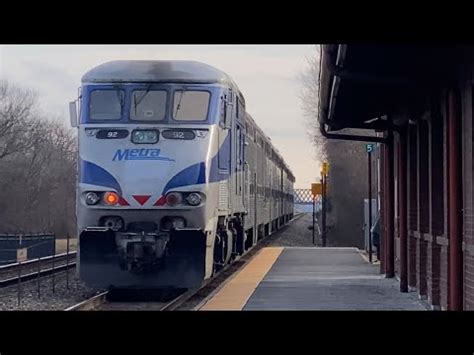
x=139 y=154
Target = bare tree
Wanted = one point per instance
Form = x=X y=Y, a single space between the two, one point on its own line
x=309 y=96
x=16 y=108
x=37 y=167
x=347 y=174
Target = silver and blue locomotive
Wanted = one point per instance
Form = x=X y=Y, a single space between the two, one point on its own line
x=175 y=179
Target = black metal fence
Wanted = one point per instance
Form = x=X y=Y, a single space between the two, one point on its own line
x=34 y=245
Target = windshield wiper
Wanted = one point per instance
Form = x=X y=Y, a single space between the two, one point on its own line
x=135 y=102
x=178 y=106
x=120 y=97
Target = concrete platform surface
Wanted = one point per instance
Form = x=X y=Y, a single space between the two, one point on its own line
x=327 y=279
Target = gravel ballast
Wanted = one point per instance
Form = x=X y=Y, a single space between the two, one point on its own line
x=61 y=299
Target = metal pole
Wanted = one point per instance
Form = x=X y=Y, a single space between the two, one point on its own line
x=402 y=193
x=390 y=247
x=314 y=200
x=383 y=209
x=67 y=261
x=53 y=279
x=323 y=219
x=369 y=154
x=38 y=277
x=19 y=283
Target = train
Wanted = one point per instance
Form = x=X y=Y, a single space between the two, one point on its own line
x=175 y=179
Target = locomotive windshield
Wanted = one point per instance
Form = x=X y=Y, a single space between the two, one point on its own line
x=190 y=105
x=148 y=105
x=106 y=104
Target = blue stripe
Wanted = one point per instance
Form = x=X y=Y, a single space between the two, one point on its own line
x=196 y=174
x=93 y=174
x=150 y=158
x=192 y=175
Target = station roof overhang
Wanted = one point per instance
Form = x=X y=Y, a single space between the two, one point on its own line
x=362 y=84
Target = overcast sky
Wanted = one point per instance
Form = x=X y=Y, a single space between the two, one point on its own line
x=266 y=75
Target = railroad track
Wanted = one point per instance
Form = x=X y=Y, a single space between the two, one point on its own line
x=101 y=302
x=33 y=269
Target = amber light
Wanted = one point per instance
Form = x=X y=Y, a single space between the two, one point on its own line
x=111 y=198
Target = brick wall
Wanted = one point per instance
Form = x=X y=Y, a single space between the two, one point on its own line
x=412 y=204
x=468 y=221
x=422 y=205
x=444 y=277
x=436 y=195
x=443 y=240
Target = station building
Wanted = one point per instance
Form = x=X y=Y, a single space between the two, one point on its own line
x=416 y=103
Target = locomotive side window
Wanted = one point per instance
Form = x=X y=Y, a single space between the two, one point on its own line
x=240 y=109
x=237 y=108
x=148 y=105
x=223 y=109
x=106 y=104
x=190 y=105
x=226 y=110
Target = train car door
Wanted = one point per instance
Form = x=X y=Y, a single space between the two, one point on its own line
x=239 y=164
x=239 y=153
x=225 y=151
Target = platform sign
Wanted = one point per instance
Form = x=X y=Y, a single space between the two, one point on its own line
x=316 y=189
x=370 y=148
x=325 y=168
x=21 y=255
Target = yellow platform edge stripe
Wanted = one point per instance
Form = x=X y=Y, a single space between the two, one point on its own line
x=235 y=294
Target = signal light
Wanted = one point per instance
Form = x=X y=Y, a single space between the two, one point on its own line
x=111 y=198
x=173 y=198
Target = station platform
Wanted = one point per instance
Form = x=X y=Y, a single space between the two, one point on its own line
x=310 y=278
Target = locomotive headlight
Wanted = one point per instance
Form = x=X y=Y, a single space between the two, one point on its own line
x=92 y=198
x=145 y=136
x=193 y=199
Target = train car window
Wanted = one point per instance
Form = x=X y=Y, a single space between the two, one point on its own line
x=237 y=107
x=241 y=110
x=239 y=146
x=223 y=109
x=106 y=104
x=190 y=105
x=148 y=105
x=251 y=132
